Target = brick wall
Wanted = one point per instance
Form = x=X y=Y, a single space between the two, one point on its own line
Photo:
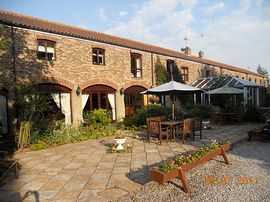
x=73 y=65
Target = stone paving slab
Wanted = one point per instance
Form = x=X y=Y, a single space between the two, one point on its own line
x=85 y=172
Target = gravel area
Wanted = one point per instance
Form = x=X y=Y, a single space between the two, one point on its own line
x=248 y=161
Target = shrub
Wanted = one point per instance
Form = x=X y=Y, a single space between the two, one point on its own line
x=196 y=111
x=97 y=118
x=254 y=115
x=139 y=118
x=58 y=133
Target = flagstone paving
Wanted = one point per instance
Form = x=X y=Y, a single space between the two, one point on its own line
x=86 y=172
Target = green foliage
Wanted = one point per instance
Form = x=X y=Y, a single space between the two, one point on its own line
x=30 y=102
x=164 y=168
x=4 y=42
x=177 y=75
x=97 y=118
x=161 y=74
x=254 y=115
x=139 y=118
x=48 y=133
x=196 y=111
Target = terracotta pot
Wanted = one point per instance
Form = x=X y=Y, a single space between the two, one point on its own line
x=162 y=178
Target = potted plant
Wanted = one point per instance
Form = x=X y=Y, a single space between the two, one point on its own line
x=119 y=139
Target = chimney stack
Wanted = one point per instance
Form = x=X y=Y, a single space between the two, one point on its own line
x=186 y=50
x=201 y=54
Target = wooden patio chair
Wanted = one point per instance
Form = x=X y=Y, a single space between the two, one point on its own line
x=197 y=126
x=154 y=128
x=186 y=128
x=237 y=118
x=217 y=117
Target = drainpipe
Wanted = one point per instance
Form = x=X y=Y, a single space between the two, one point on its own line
x=13 y=56
x=152 y=69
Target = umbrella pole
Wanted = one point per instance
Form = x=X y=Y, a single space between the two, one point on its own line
x=173 y=110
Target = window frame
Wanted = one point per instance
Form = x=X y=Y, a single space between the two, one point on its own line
x=168 y=62
x=98 y=53
x=46 y=53
x=132 y=69
x=185 y=75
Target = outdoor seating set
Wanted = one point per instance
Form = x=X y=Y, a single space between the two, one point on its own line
x=226 y=117
x=261 y=132
x=160 y=128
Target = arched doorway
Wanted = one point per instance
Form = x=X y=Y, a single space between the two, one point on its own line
x=99 y=97
x=58 y=99
x=133 y=99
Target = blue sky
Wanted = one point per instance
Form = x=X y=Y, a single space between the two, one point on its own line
x=235 y=32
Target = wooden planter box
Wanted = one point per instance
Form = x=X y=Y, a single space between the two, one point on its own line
x=180 y=172
x=162 y=178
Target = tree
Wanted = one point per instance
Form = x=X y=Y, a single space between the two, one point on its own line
x=161 y=74
x=261 y=70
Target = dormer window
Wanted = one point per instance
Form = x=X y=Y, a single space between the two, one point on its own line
x=136 y=65
x=98 y=56
x=46 y=50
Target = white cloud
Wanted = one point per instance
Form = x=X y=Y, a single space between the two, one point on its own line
x=123 y=13
x=101 y=13
x=216 y=7
x=237 y=37
x=156 y=20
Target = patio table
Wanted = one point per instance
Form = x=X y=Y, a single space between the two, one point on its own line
x=173 y=126
x=228 y=116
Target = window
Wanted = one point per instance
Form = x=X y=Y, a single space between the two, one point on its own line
x=46 y=50
x=207 y=73
x=98 y=56
x=255 y=80
x=243 y=77
x=136 y=65
x=170 y=66
x=260 y=82
x=249 y=79
x=184 y=73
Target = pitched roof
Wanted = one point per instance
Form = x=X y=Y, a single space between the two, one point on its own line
x=24 y=21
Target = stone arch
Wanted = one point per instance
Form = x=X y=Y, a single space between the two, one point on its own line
x=99 y=81
x=137 y=83
x=52 y=80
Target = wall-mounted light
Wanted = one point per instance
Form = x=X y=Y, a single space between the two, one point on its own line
x=122 y=91
x=78 y=91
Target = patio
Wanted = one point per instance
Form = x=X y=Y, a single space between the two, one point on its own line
x=85 y=172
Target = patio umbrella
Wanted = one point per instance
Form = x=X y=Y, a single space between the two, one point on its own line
x=226 y=90
x=172 y=88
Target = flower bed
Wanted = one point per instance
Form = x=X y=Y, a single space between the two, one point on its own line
x=184 y=163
